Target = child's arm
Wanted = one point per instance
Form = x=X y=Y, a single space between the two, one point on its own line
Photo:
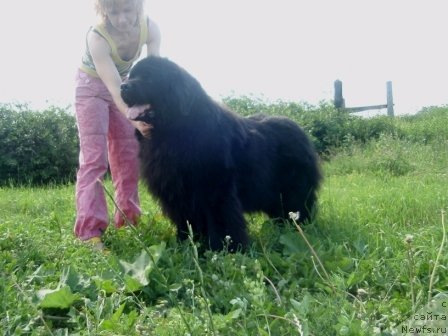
x=154 y=39
x=106 y=70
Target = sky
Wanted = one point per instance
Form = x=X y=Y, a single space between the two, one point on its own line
x=268 y=49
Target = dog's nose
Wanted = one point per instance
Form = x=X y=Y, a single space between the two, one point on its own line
x=124 y=87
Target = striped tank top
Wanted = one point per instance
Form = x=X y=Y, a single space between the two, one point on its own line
x=123 y=66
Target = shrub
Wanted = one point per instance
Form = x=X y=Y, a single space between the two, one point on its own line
x=429 y=125
x=364 y=130
x=331 y=128
x=42 y=147
x=37 y=147
x=328 y=127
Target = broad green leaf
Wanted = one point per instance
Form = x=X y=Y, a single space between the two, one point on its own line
x=292 y=242
x=62 y=298
x=138 y=271
x=113 y=322
x=139 y=268
x=132 y=285
x=107 y=285
x=235 y=313
x=175 y=287
x=301 y=307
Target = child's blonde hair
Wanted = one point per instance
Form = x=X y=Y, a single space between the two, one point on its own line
x=101 y=5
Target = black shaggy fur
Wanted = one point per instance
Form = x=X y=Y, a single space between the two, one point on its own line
x=208 y=166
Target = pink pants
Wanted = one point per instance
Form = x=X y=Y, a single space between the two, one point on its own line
x=106 y=136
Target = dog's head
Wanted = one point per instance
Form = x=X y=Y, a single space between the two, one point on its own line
x=167 y=88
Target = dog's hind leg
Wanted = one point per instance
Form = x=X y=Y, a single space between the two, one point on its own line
x=300 y=196
x=299 y=202
x=179 y=219
x=226 y=226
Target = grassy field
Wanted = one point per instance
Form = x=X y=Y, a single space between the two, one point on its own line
x=378 y=235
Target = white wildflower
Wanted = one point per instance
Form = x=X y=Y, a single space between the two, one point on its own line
x=294 y=215
x=408 y=239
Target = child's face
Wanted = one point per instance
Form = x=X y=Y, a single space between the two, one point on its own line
x=122 y=15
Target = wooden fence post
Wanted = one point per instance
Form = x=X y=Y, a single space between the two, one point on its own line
x=390 y=99
x=338 y=98
x=339 y=101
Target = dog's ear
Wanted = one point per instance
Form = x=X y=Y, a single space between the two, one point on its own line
x=185 y=90
x=185 y=95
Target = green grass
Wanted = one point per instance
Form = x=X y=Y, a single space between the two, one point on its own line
x=377 y=233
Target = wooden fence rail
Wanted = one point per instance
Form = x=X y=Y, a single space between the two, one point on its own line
x=339 y=101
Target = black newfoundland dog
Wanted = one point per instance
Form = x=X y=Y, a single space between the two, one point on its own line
x=207 y=165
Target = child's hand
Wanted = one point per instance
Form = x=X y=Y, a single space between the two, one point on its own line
x=143 y=128
x=135 y=111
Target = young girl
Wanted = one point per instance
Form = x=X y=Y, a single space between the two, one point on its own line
x=106 y=135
